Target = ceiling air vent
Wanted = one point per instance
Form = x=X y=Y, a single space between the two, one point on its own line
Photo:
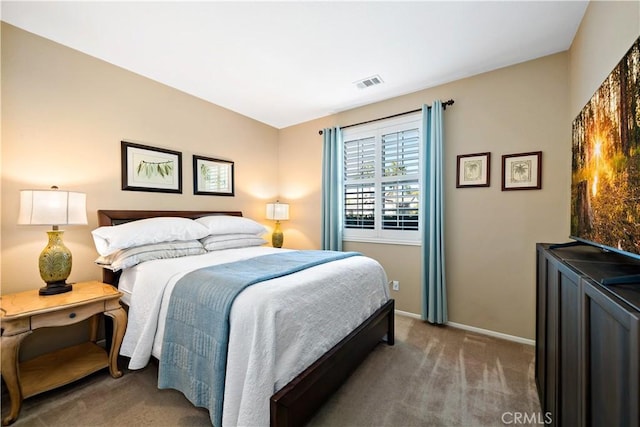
x=369 y=81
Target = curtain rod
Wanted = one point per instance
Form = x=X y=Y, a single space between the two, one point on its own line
x=444 y=107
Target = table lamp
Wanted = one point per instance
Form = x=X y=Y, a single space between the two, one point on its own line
x=53 y=207
x=278 y=212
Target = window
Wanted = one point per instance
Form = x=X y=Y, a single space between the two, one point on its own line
x=382 y=165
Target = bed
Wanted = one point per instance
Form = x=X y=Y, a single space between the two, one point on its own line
x=310 y=385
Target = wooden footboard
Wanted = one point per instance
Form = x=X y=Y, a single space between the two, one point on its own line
x=296 y=402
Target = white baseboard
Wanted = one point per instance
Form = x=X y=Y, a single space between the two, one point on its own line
x=474 y=329
x=407 y=314
x=492 y=333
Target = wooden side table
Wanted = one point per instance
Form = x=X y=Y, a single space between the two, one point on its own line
x=24 y=312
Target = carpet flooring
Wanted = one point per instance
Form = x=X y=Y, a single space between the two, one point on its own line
x=433 y=376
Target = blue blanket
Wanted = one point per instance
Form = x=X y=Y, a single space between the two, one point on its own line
x=194 y=349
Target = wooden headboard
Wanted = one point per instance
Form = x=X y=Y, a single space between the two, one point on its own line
x=115 y=217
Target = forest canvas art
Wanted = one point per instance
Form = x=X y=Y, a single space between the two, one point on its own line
x=605 y=182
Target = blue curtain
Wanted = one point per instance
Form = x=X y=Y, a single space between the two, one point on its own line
x=434 y=291
x=332 y=190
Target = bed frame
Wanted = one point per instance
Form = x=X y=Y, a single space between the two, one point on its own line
x=296 y=402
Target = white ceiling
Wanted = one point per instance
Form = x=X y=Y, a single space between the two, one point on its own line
x=284 y=63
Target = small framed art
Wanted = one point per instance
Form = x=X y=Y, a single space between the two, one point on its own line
x=146 y=168
x=212 y=177
x=522 y=171
x=473 y=170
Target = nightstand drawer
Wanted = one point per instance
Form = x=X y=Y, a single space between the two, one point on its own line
x=67 y=316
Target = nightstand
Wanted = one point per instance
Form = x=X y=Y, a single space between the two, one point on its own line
x=24 y=312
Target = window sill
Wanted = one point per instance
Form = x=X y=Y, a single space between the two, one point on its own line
x=382 y=241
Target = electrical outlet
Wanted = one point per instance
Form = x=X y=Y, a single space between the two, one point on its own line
x=395 y=285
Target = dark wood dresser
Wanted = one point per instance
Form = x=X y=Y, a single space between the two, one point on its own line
x=587 y=336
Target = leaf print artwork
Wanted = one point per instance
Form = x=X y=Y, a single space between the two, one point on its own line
x=213 y=177
x=146 y=168
x=149 y=169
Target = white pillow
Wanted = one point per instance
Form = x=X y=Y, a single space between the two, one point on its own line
x=125 y=258
x=146 y=231
x=228 y=241
x=226 y=224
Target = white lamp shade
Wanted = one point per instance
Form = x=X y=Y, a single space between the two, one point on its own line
x=52 y=207
x=278 y=211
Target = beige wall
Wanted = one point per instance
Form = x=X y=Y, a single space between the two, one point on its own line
x=606 y=33
x=64 y=115
x=490 y=234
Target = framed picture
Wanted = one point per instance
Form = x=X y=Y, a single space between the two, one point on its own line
x=212 y=177
x=522 y=171
x=146 y=168
x=473 y=170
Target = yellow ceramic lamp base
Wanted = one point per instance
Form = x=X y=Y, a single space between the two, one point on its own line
x=55 y=265
x=277 y=238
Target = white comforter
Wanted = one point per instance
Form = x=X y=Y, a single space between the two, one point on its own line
x=278 y=327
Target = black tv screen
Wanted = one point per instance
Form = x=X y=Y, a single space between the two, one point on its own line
x=605 y=179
